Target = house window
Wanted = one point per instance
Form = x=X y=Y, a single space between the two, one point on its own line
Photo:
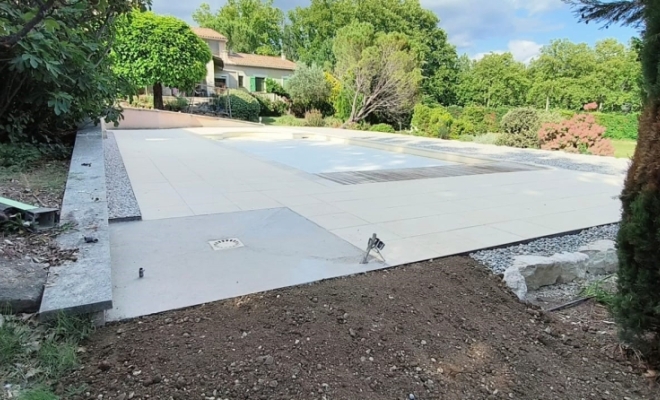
x=221 y=82
x=240 y=81
x=259 y=84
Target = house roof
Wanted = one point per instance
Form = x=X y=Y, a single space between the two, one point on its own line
x=254 y=60
x=208 y=33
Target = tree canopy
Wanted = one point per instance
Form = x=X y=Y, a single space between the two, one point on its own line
x=53 y=65
x=251 y=26
x=493 y=81
x=155 y=50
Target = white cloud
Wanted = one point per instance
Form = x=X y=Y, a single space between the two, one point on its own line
x=522 y=50
x=467 y=21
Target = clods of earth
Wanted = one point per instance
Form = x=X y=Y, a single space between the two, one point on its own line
x=446 y=329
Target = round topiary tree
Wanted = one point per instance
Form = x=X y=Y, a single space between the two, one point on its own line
x=155 y=50
x=520 y=128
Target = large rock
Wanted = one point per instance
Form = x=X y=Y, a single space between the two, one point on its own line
x=21 y=285
x=516 y=282
x=603 y=259
x=540 y=271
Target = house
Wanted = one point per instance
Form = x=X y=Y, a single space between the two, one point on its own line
x=240 y=70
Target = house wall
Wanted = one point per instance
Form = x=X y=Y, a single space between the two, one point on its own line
x=232 y=73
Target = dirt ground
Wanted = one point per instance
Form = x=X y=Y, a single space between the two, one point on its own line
x=437 y=330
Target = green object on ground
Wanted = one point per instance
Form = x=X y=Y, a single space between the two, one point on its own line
x=624 y=148
x=15 y=204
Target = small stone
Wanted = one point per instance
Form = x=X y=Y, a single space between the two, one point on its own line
x=186 y=334
x=273 y=384
x=104 y=365
x=351 y=332
x=131 y=395
x=423 y=342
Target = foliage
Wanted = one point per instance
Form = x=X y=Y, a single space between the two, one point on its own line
x=18 y=156
x=314 y=118
x=599 y=291
x=268 y=108
x=308 y=87
x=285 y=120
x=619 y=126
x=493 y=81
x=461 y=127
x=432 y=121
x=54 y=68
x=178 y=104
x=487 y=138
x=335 y=93
x=309 y=36
x=37 y=394
x=520 y=128
x=251 y=26
x=176 y=58
x=382 y=128
x=482 y=119
x=378 y=71
x=243 y=105
x=580 y=134
x=272 y=86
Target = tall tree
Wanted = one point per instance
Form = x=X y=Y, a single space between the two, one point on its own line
x=308 y=38
x=308 y=87
x=493 y=81
x=54 y=67
x=637 y=302
x=155 y=50
x=251 y=26
x=379 y=72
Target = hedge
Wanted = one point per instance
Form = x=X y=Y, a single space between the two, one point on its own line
x=619 y=126
x=382 y=128
x=244 y=106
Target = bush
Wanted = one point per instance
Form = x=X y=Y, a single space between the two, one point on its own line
x=520 y=128
x=580 y=134
x=461 y=127
x=550 y=117
x=314 y=118
x=178 y=104
x=483 y=119
x=488 y=138
x=333 y=122
x=270 y=108
x=382 y=128
x=18 y=156
x=567 y=114
x=272 y=86
x=455 y=111
x=289 y=120
x=619 y=126
x=243 y=105
x=432 y=121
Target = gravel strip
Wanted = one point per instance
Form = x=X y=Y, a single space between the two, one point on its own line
x=122 y=205
x=576 y=162
x=498 y=260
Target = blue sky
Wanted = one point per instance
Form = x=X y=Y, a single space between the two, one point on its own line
x=476 y=27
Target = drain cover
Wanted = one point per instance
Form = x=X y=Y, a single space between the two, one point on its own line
x=225 y=244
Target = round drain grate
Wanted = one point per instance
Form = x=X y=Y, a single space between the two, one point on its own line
x=225 y=244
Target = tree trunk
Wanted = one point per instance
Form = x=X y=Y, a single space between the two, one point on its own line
x=547 y=103
x=158 y=96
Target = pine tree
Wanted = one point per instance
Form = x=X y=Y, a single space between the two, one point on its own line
x=637 y=303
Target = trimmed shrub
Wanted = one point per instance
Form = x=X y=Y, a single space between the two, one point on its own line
x=382 y=128
x=619 y=126
x=580 y=134
x=432 y=121
x=484 y=120
x=314 y=118
x=244 y=106
x=520 y=128
x=270 y=108
x=461 y=127
x=178 y=104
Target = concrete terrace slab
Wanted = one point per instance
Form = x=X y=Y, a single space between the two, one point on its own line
x=281 y=248
x=175 y=173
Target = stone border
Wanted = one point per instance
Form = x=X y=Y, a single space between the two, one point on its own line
x=84 y=286
x=122 y=204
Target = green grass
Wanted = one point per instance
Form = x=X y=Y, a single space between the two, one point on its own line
x=284 y=120
x=34 y=356
x=601 y=290
x=624 y=148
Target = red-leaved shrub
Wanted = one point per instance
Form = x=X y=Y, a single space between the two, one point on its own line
x=580 y=134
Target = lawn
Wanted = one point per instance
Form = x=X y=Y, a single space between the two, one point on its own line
x=624 y=148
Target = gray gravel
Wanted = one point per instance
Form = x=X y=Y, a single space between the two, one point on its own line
x=498 y=260
x=122 y=205
x=583 y=163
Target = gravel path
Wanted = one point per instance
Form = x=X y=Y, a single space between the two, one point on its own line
x=498 y=260
x=122 y=205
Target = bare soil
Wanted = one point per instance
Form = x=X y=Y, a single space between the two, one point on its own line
x=446 y=329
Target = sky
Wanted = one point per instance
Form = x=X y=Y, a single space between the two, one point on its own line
x=475 y=27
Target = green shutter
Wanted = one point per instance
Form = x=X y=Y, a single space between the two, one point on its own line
x=253 y=84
